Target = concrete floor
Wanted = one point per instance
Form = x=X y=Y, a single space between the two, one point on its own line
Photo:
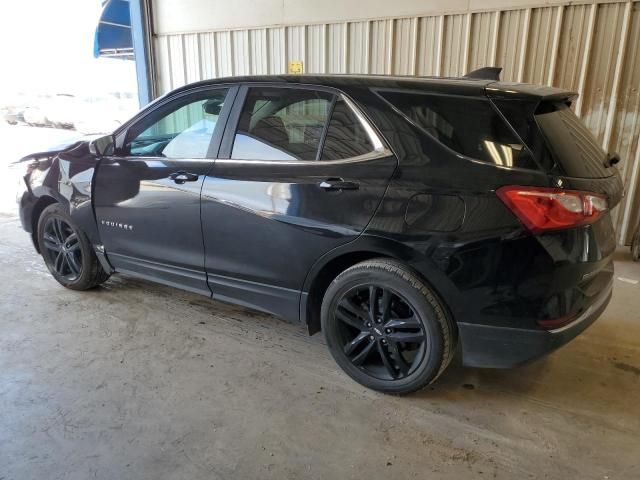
x=135 y=380
x=139 y=381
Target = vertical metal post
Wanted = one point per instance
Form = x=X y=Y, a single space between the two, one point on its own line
x=494 y=40
x=440 y=45
x=325 y=49
x=467 y=44
x=585 y=57
x=141 y=31
x=617 y=77
x=524 y=43
x=555 y=48
x=345 y=48
x=415 y=25
x=390 y=45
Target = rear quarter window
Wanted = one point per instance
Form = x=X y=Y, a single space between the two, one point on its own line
x=468 y=125
x=346 y=136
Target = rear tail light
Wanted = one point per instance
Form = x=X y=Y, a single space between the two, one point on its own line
x=543 y=209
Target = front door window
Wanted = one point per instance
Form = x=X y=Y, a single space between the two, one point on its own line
x=184 y=131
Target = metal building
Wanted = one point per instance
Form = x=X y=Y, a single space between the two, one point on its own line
x=592 y=47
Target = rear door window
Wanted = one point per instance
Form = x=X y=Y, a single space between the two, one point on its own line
x=281 y=124
x=469 y=126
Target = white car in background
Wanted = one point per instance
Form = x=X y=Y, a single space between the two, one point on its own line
x=34 y=112
x=103 y=114
x=51 y=111
x=12 y=107
x=59 y=110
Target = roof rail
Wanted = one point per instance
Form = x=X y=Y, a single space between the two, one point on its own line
x=485 y=73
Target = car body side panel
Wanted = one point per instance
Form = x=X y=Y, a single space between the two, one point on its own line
x=148 y=223
x=265 y=224
x=67 y=177
x=491 y=270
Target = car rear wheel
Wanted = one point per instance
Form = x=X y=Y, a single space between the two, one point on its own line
x=67 y=252
x=386 y=328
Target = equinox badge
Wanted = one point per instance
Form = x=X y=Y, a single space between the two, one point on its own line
x=123 y=226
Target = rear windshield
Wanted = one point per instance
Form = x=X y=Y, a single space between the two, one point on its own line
x=572 y=145
x=467 y=125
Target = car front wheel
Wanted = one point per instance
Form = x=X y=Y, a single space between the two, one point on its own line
x=386 y=328
x=67 y=251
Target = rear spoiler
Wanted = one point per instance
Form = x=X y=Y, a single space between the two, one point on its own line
x=485 y=73
x=526 y=91
x=512 y=90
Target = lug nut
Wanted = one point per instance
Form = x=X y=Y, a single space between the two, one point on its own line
x=388 y=330
x=372 y=337
x=369 y=324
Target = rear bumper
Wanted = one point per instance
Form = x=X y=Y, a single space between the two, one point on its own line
x=503 y=347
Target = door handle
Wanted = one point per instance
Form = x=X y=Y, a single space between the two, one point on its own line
x=336 y=184
x=182 y=177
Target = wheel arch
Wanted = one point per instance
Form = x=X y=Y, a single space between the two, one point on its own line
x=328 y=267
x=43 y=202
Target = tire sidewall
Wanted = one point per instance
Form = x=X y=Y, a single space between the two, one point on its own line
x=635 y=246
x=56 y=211
x=431 y=319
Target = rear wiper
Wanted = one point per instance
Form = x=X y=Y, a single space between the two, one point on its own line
x=612 y=159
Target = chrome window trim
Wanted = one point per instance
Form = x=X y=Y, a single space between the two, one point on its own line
x=372 y=155
x=133 y=158
x=378 y=145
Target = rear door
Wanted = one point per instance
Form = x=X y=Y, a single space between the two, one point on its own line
x=300 y=172
x=147 y=196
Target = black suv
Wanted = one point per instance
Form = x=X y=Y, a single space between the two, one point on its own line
x=404 y=217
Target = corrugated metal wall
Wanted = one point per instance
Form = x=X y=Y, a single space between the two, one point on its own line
x=592 y=48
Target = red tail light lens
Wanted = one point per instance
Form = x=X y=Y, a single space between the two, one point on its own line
x=542 y=209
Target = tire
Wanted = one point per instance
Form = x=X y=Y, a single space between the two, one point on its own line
x=370 y=345
x=635 y=246
x=67 y=252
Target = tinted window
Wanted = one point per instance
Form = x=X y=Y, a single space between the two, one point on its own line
x=182 y=130
x=281 y=124
x=469 y=126
x=346 y=137
x=571 y=143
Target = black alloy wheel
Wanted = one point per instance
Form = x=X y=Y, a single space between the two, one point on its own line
x=381 y=332
x=386 y=328
x=62 y=249
x=67 y=251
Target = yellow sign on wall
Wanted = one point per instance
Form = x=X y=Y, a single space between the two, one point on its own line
x=296 y=67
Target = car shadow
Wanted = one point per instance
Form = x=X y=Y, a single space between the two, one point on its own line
x=577 y=378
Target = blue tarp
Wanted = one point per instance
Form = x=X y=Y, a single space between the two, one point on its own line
x=113 y=34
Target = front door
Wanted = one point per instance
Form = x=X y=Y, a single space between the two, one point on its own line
x=147 y=196
x=299 y=173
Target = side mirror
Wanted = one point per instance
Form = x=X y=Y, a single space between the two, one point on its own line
x=102 y=146
x=212 y=107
